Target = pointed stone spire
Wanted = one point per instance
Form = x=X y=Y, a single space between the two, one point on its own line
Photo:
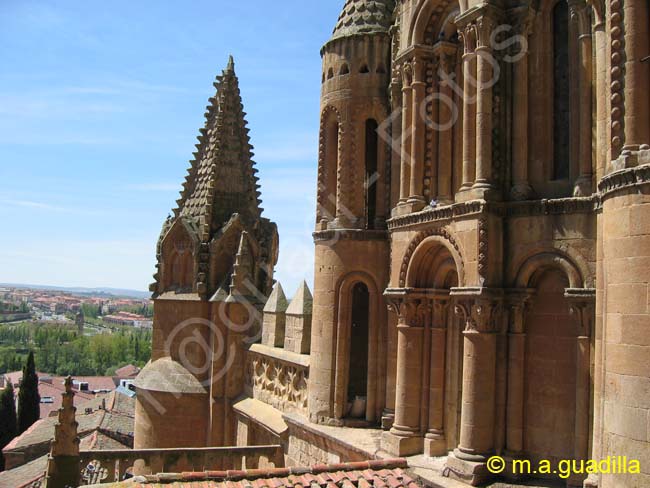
x=273 y=326
x=63 y=463
x=298 y=321
x=242 y=275
x=221 y=179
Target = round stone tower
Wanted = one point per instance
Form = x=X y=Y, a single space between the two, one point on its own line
x=352 y=249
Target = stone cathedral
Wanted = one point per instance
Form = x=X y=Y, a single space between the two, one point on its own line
x=482 y=252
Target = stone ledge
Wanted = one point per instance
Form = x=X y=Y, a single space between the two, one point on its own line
x=280 y=354
x=263 y=414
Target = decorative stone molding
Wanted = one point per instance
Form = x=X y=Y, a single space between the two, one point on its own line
x=445 y=213
x=322 y=170
x=617 y=76
x=334 y=235
x=278 y=378
x=472 y=208
x=624 y=179
x=483 y=249
x=417 y=240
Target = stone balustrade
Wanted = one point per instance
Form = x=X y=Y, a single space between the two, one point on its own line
x=112 y=465
x=278 y=377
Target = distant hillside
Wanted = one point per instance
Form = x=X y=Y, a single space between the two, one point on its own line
x=107 y=292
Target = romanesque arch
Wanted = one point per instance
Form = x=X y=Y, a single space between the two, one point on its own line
x=548 y=375
x=420 y=251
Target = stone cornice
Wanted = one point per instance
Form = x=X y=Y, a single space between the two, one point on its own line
x=334 y=235
x=624 y=179
x=560 y=206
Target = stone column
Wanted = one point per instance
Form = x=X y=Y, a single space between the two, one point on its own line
x=407 y=101
x=600 y=41
x=434 y=441
x=404 y=437
x=516 y=370
x=484 y=73
x=583 y=185
x=477 y=430
x=416 y=198
x=469 y=108
x=521 y=189
x=637 y=74
x=582 y=308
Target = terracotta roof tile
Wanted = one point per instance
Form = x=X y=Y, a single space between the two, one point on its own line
x=366 y=474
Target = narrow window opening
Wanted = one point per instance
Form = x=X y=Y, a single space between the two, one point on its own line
x=364 y=69
x=561 y=95
x=358 y=365
x=372 y=176
x=344 y=70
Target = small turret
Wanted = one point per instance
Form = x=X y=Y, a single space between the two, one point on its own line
x=273 y=328
x=298 y=328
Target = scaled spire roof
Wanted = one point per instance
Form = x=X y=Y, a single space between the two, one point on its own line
x=221 y=179
x=364 y=17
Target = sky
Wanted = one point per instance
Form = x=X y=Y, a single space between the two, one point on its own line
x=100 y=106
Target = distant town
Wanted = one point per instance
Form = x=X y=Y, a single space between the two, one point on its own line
x=65 y=307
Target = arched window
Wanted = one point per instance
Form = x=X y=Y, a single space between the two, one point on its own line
x=327 y=190
x=364 y=69
x=561 y=92
x=372 y=176
x=330 y=74
x=344 y=69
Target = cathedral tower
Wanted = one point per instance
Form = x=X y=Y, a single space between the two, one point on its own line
x=352 y=250
x=216 y=255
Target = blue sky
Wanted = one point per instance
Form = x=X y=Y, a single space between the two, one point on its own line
x=100 y=105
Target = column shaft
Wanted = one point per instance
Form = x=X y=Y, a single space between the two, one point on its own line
x=515 y=406
x=405 y=168
x=637 y=74
x=478 y=405
x=409 y=374
x=484 y=119
x=417 y=142
x=469 y=120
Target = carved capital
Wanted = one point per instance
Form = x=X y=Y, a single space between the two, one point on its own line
x=517 y=305
x=480 y=308
x=579 y=12
x=582 y=306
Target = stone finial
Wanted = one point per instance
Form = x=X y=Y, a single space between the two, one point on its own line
x=242 y=279
x=298 y=321
x=63 y=462
x=273 y=327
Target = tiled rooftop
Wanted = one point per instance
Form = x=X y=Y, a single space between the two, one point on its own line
x=387 y=473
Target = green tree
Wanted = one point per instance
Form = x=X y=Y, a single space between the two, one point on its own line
x=28 y=398
x=8 y=424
